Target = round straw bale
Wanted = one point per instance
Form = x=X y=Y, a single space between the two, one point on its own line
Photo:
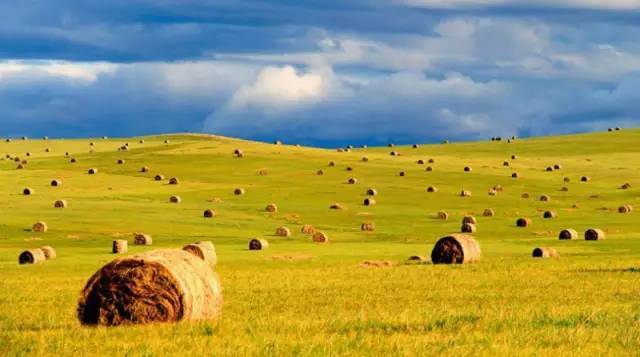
x=47 y=150
x=442 y=215
x=28 y=191
x=93 y=171
x=402 y=173
x=545 y=252
x=394 y=153
x=456 y=249
x=119 y=246
x=283 y=231
x=271 y=207
x=369 y=201
x=320 y=237
x=488 y=212
x=429 y=168
x=175 y=199
x=368 y=227
x=204 y=250
x=349 y=168
x=157 y=286
x=505 y=163
x=557 y=167
x=56 y=182
x=258 y=244
x=173 y=181
x=568 y=234
x=465 y=193
x=420 y=162
x=144 y=169
x=49 y=252
x=566 y=179
x=545 y=198
x=28 y=153
x=91 y=143
x=120 y=161
x=158 y=177
x=352 y=181
x=308 y=229
x=625 y=209
x=365 y=159
x=467 y=169
x=263 y=172
x=32 y=256
x=40 y=227
x=594 y=234
x=142 y=239
x=564 y=189
x=238 y=191
x=391 y=145
x=60 y=204
x=415 y=146
x=141 y=141
x=469 y=219
x=492 y=192
x=331 y=163
x=498 y=188
x=320 y=172
x=372 y=192
x=73 y=160
x=525 y=195
x=523 y=222
x=432 y=161
x=338 y=206
x=445 y=141
x=432 y=189
x=24 y=162
x=208 y=213
x=549 y=168
x=585 y=179
x=626 y=186
x=549 y=214
x=166 y=141
x=20 y=166
x=468 y=228
x=16 y=159
x=277 y=142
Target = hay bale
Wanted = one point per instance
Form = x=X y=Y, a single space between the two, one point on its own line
x=467 y=169
x=320 y=237
x=488 y=212
x=566 y=179
x=277 y=142
x=144 y=169
x=372 y=192
x=365 y=159
x=402 y=173
x=20 y=166
x=272 y=208
x=369 y=201
x=120 y=161
x=420 y=162
x=47 y=150
x=258 y=244
x=465 y=193
x=337 y=206
x=49 y=252
x=153 y=287
x=429 y=169
x=545 y=252
x=456 y=249
x=283 y=231
x=432 y=189
x=585 y=179
x=73 y=160
x=93 y=171
x=492 y=192
x=28 y=153
x=320 y=172
x=331 y=163
x=349 y=168
x=56 y=182
x=432 y=161
x=545 y=198
x=263 y=172
x=442 y=215
x=238 y=191
x=308 y=229
x=28 y=191
x=142 y=239
x=625 y=209
x=415 y=146
x=549 y=214
x=468 y=228
x=523 y=222
x=557 y=167
x=417 y=259
x=514 y=157
x=505 y=163
x=469 y=219
x=167 y=141
x=394 y=153
x=141 y=141
x=549 y=168
x=40 y=227
x=208 y=213
x=119 y=246
x=525 y=195
x=158 y=177
x=32 y=256
x=368 y=227
x=238 y=153
x=60 y=204
x=175 y=199
x=391 y=145
x=352 y=181
x=625 y=186
x=173 y=181
x=564 y=189
x=568 y=234
x=204 y=250
x=594 y=234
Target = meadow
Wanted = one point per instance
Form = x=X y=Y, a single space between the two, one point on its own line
x=301 y=298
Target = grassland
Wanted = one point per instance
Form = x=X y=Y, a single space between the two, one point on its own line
x=300 y=298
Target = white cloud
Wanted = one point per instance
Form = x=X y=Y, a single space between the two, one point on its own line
x=589 y=4
x=84 y=72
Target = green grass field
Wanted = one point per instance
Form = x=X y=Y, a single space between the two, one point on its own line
x=301 y=298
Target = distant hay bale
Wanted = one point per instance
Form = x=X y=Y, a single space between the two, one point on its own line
x=557 y=167
x=432 y=161
x=120 y=161
x=277 y=142
x=204 y=250
x=73 y=160
x=60 y=204
x=142 y=239
x=549 y=168
x=402 y=173
x=320 y=237
x=575 y=205
x=456 y=249
x=28 y=154
x=308 y=229
x=263 y=172
x=626 y=186
x=369 y=201
x=208 y=213
x=549 y=214
x=337 y=206
x=467 y=169
x=119 y=246
x=153 y=287
x=167 y=141
x=594 y=234
x=442 y=215
x=32 y=256
x=258 y=244
x=47 y=150
x=469 y=219
x=123 y=148
x=569 y=233
x=175 y=199
x=320 y=172
x=352 y=181
x=432 y=189
x=566 y=179
x=445 y=141
x=173 y=181
x=525 y=195
x=488 y=212
x=349 y=168
x=56 y=182
x=368 y=227
x=20 y=166
x=394 y=153
x=468 y=228
x=271 y=207
x=49 y=252
x=465 y=193
x=283 y=231
x=545 y=198
x=625 y=209
x=585 y=179
x=365 y=159
x=372 y=192
x=545 y=252
x=514 y=157
x=492 y=192
x=420 y=162
x=93 y=171
x=415 y=146
x=238 y=153
x=28 y=191
x=523 y=222
x=141 y=141
x=158 y=177
x=66 y=154
x=40 y=227
x=331 y=163
x=498 y=188
x=564 y=189
x=144 y=169
x=238 y=191
x=429 y=168
x=505 y=163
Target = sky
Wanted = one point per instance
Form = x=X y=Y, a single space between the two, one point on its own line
x=324 y=73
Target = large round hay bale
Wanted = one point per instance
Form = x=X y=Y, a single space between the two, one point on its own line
x=432 y=189
x=468 y=169
x=308 y=229
x=338 y=206
x=415 y=146
x=442 y=215
x=368 y=227
x=141 y=141
x=585 y=179
x=394 y=153
x=523 y=222
x=320 y=172
x=557 y=167
x=545 y=198
x=402 y=174
x=545 y=252
x=60 y=204
x=32 y=256
x=468 y=228
x=549 y=214
x=420 y=162
x=56 y=182
x=625 y=186
x=158 y=286
x=429 y=169
x=144 y=169
x=20 y=166
x=142 y=239
x=331 y=163
x=372 y=192
x=369 y=201
x=625 y=209
x=40 y=227
x=594 y=234
x=432 y=161
x=175 y=199
x=263 y=172
x=568 y=234
x=564 y=189
x=566 y=179
x=549 y=168
x=320 y=237
x=469 y=219
x=173 y=181
x=364 y=159
x=120 y=161
x=238 y=153
x=525 y=195
x=158 y=177
x=465 y=193
x=283 y=232
x=352 y=181
x=49 y=252
x=27 y=191
x=505 y=163
x=515 y=175
x=208 y=213
x=93 y=171
x=492 y=192
x=238 y=191
x=272 y=208
x=73 y=160
x=488 y=212
x=204 y=250
x=258 y=244
x=456 y=249
x=119 y=246
x=349 y=168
